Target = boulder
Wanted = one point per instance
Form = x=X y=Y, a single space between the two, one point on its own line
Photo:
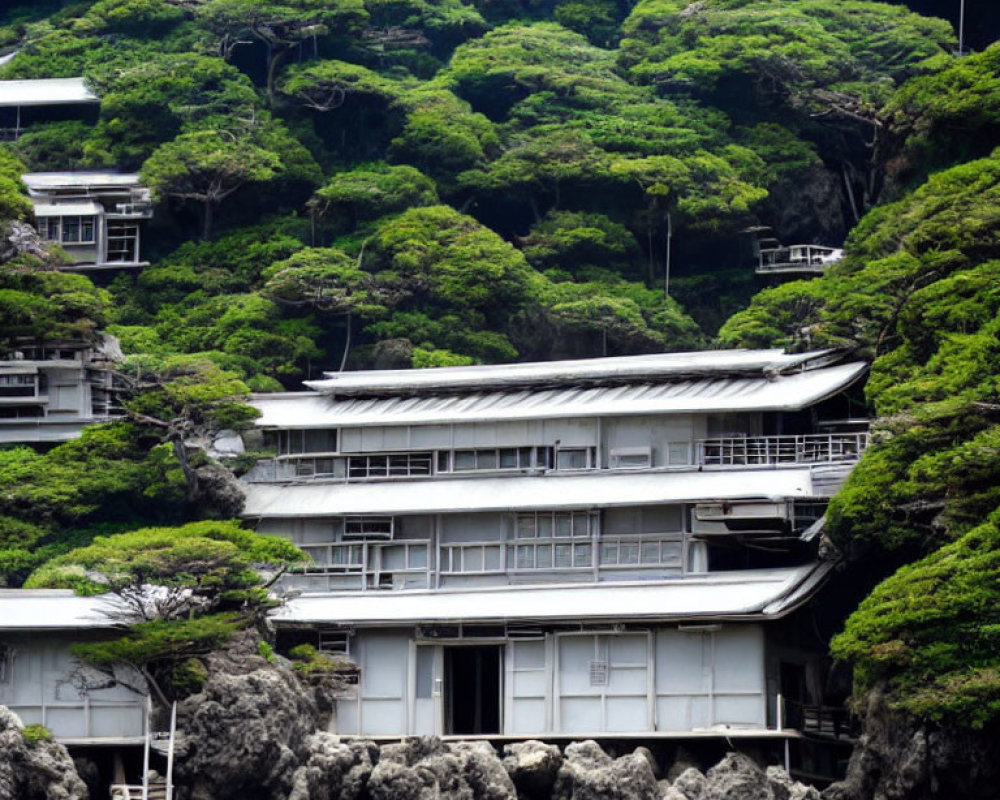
x=425 y=768
x=334 y=770
x=588 y=773
x=39 y=770
x=690 y=784
x=736 y=777
x=533 y=767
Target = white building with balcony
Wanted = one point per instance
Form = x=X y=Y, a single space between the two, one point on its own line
x=578 y=548
x=50 y=391
x=96 y=217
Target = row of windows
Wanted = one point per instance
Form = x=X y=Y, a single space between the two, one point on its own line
x=416 y=464
x=69 y=230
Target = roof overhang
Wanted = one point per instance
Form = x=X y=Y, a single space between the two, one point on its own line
x=623 y=369
x=744 y=595
x=69 y=208
x=57 y=609
x=693 y=395
x=43 y=182
x=551 y=491
x=46 y=92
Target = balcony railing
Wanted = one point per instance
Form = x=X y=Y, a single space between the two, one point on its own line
x=797 y=258
x=827 y=448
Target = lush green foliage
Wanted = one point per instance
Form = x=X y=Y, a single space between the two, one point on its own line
x=35 y=733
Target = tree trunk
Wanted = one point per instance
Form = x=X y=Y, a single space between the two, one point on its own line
x=277 y=56
x=206 y=221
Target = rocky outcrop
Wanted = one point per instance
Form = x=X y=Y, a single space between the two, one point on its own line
x=35 y=770
x=899 y=758
x=246 y=731
x=20 y=239
x=533 y=767
x=738 y=777
x=425 y=768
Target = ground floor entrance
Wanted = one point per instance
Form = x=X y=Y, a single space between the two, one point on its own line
x=472 y=689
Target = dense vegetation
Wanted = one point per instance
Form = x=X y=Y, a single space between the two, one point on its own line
x=411 y=183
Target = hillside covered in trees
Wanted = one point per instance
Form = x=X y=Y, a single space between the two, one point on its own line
x=419 y=183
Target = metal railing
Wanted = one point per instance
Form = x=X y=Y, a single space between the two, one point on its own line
x=798 y=258
x=831 y=721
x=820 y=448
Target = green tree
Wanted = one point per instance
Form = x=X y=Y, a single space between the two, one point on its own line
x=207 y=167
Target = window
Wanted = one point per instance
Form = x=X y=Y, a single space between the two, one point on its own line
x=367 y=527
x=78 y=230
x=291 y=442
x=575 y=457
x=6 y=657
x=336 y=643
x=555 y=524
x=494 y=458
x=49 y=228
x=396 y=465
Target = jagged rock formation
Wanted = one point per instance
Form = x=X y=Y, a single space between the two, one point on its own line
x=898 y=758
x=245 y=732
x=41 y=770
x=19 y=238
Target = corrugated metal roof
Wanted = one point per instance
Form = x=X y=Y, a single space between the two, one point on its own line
x=781 y=393
x=718 y=595
x=46 y=92
x=79 y=208
x=620 y=369
x=45 y=181
x=55 y=609
x=552 y=491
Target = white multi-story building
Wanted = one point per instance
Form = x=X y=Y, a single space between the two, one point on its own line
x=570 y=548
x=50 y=391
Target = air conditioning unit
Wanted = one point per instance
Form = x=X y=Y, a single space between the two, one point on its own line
x=631 y=458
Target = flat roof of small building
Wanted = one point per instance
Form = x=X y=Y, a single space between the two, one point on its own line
x=623 y=369
x=694 y=598
x=552 y=491
x=46 y=92
x=85 y=179
x=81 y=208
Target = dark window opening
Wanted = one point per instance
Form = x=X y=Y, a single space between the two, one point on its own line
x=472 y=678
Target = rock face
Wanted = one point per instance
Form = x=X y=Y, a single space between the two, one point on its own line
x=900 y=759
x=533 y=766
x=588 y=773
x=737 y=777
x=425 y=768
x=20 y=238
x=246 y=732
x=38 y=771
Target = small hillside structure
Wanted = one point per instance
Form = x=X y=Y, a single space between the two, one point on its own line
x=95 y=217
x=605 y=547
x=42 y=99
x=44 y=684
x=50 y=391
x=771 y=257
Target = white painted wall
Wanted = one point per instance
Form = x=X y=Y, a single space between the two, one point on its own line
x=36 y=684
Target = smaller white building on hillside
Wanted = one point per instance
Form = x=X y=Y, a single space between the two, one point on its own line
x=50 y=391
x=44 y=684
x=96 y=217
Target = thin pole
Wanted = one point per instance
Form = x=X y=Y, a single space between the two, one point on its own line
x=666 y=274
x=961 y=26
x=145 y=750
x=170 y=751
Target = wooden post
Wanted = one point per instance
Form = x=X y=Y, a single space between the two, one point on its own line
x=170 y=751
x=961 y=27
x=145 y=749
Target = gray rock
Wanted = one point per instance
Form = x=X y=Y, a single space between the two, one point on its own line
x=647 y=754
x=588 y=773
x=736 y=777
x=690 y=784
x=784 y=788
x=683 y=760
x=227 y=443
x=246 y=732
x=18 y=239
x=334 y=770
x=425 y=768
x=533 y=766
x=38 y=771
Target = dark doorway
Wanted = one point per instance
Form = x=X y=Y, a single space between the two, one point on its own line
x=472 y=678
